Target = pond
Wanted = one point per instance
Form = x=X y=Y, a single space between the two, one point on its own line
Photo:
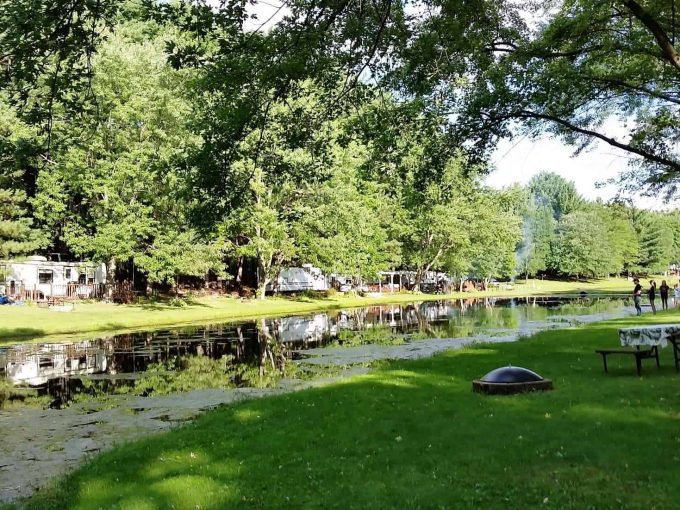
x=263 y=352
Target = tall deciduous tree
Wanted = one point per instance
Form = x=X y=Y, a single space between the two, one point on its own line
x=348 y=225
x=438 y=218
x=581 y=245
x=495 y=232
x=279 y=169
x=538 y=231
x=587 y=63
x=558 y=194
x=116 y=193
x=655 y=240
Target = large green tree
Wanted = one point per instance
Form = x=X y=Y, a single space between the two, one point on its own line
x=538 y=231
x=586 y=66
x=554 y=192
x=581 y=245
x=278 y=171
x=437 y=233
x=17 y=237
x=116 y=192
x=495 y=232
x=348 y=224
x=655 y=242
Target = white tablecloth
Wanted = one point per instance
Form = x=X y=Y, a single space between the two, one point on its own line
x=648 y=335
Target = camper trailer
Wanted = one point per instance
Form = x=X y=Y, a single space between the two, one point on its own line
x=298 y=279
x=38 y=279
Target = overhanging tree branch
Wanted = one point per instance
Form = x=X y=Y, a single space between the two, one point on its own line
x=664 y=42
x=650 y=156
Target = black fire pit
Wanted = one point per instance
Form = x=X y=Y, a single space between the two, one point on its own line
x=509 y=380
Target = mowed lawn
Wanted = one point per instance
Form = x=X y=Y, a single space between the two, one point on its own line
x=25 y=322
x=413 y=435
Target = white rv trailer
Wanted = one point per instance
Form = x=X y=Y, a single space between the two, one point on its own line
x=298 y=279
x=37 y=278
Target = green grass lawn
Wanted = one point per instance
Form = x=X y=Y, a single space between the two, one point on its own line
x=413 y=435
x=18 y=323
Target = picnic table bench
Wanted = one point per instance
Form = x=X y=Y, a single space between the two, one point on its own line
x=639 y=354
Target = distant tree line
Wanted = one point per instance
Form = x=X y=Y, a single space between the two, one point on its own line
x=565 y=235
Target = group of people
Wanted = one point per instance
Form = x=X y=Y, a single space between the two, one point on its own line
x=663 y=291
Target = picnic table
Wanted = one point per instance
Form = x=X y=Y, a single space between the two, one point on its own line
x=51 y=302
x=643 y=342
x=658 y=335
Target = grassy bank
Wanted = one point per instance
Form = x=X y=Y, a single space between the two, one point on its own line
x=17 y=323
x=413 y=435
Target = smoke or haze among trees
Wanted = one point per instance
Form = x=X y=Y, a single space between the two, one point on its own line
x=165 y=137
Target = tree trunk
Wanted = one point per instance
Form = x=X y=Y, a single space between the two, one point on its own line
x=110 y=276
x=263 y=267
x=420 y=274
x=664 y=42
x=262 y=289
x=239 y=270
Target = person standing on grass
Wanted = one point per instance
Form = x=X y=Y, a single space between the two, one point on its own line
x=676 y=294
x=651 y=294
x=637 y=296
x=663 y=292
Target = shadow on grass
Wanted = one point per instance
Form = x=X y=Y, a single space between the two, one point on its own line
x=413 y=435
x=154 y=306
x=11 y=335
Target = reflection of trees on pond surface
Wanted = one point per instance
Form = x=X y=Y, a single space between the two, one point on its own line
x=272 y=350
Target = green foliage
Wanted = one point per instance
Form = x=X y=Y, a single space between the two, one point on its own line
x=436 y=233
x=115 y=193
x=17 y=236
x=539 y=225
x=673 y=221
x=377 y=335
x=622 y=239
x=496 y=232
x=277 y=172
x=655 y=243
x=346 y=226
x=555 y=193
x=167 y=135
x=581 y=245
x=5 y=391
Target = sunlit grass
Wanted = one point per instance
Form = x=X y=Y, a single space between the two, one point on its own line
x=26 y=322
x=413 y=435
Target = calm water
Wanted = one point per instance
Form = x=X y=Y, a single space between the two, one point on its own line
x=240 y=354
